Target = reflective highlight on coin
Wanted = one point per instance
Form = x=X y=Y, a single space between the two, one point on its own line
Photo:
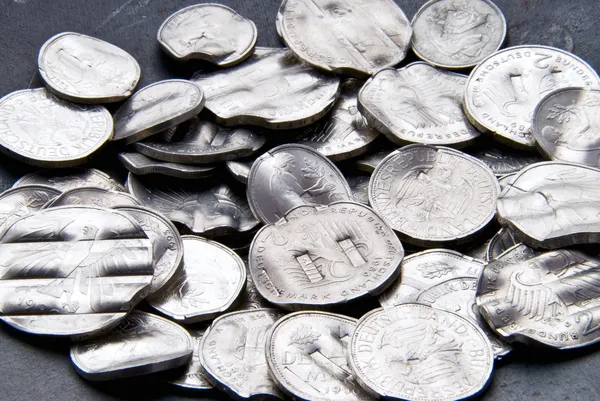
x=141 y=164
x=66 y=179
x=21 y=201
x=94 y=197
x=192 y=376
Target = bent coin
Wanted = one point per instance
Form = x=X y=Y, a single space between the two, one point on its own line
x=21 y=201
x=141 y=164
x=502 y=160
x=240 y=169
x=369 y=162
x=66 y=179
x=84 y=69
x=500 y=243
x=192 y=376
x=95 y=197
x=142 y=343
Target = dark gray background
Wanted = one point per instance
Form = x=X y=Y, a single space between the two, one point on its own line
x=33 y=368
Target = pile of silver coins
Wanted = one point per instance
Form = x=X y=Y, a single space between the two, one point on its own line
x=263 y=212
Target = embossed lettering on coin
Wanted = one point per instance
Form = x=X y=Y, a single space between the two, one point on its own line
x=66 y=179
x=94 y=196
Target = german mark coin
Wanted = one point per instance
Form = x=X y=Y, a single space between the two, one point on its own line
x=64 y=180
x=415 y=352
x=369 y=162
x=240 y=169
x=142 y=343
x=203 y=142
x=552 y=205
x=504 y=89
x=272 y=90
x=42 y=130
x=293 y=175
x=84 y=69
x=211 y=211
x=566 y=125
x=192 y=376
x=343 y=133
x=355 y=37
x=549 y=297
x=211 y=32
x=307 y=353
x=451 y=34
x=359 y=185
x=233 y=353
x=157 y=107
x=506 y=180
x=167 y=245
x=251 y=298
x=211 y=280
x=434 y=195
x=140 y=164
x=502 y=241
x=324 y=255
x=418 y=103
x=503 y=161
x=19 y=202
x=73 y=271
x=95 y=197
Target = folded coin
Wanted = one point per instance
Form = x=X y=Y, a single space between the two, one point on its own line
x=140 y=164
x=65 y=179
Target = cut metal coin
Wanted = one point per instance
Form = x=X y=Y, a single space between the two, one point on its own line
x=500 y=243
x=272 y=90
x=157 y=107
x=209 y=283
x=504 y=89
x=240 y=169
x=233 y=353
x=251 y=298
x=434 y=195
x=94 y=197
x=142 y=343
x=503 y=161
x=66 y=179
x=141 y=164
x=84 y=69
x=40 y=129
x=305 y=345
x=450 y=34
x=319 y=256
x=192 y=376
x=417 y=104
x=506 y=180
x=293 y=175
x=354 y=37
x=423 y=353
x=73 y=271
x=210 y=32
x=22 y=201
x=359 y=185
x=369 y=162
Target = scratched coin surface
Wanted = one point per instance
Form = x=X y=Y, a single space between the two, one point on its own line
x=369 y=162
x=552 y=205
x=502 y=160
x=167 y=245
x=140 y=164
x=142 y=343
x=40 y=129
x=233 y=353
x=21 y=201
x=457 y=34
x=566 y=125
x=549 y=297
x=307 y=353
x=343 y=133
x=73 y=271
x=432 y=195
x=354 y=37
x=66 y=179
x=211 y=32
x=418 y=103
x=324 y=255
x=415 y=352
x=192 y=376
x=504 y=89
x=213 y=210
x=84 y=69
x=293 y=175
x=203 y=142
x=209 y=283
x=94 y=197
x=155 y=108
x=272 y=89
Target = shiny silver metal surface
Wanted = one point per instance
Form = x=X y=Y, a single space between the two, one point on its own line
x=369 y=162
x=240 y=169
x=506 y=180
x=502 y=160
x=22 y=201
x=251 y=298
x=502 y=241
x=140 y=164
x=210 y=32
x=192 y=376
x=359 y=185
x=66 y=179
x=94 y=197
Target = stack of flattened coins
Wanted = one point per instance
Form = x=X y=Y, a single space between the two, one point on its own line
x=262 y=256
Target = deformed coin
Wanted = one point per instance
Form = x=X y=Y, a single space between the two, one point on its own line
x=432 y=195
x=506 y=180
x=73 y=270
x=21 y=201
x=141 y=164
x=502 y=160
x=293 y=175
x=240 y=169
x=359 y=185
x=192 y=376
x=319 y=256
x=203 y=142
x=502 y=241
x=504 y=89
x=418 y=103
x=415 y=352
x=155 y=108
x=84 y=69
x=303 y=346
x=66 y=179
x=251 y=298
x=42 y=130
x=142 y=343
x=95 y=197
x=211 y=32
x=233 y=353
x=272 y=89
x=451 y=34
x=209 y=283
x=549 y=297
x=354 y=37
x=368 y=163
